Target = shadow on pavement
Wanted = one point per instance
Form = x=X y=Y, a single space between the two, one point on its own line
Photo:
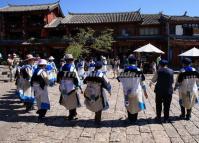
x=12 y=110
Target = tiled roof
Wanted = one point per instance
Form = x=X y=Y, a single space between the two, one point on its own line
x=54 y=23
x=83 y=18
x=149 y=19
x=22 y=8
x=183 y=18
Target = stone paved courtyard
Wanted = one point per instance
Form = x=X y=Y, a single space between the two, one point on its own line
x=16 y=126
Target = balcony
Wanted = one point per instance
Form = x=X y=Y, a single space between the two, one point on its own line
x=34 y=41
x=184 y=37
x=144 y=37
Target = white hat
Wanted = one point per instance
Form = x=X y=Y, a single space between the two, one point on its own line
x=68 y=57
x=42 y=62
x=103 y=58
x=14 y=55
x=29 y=57
x=51 y=58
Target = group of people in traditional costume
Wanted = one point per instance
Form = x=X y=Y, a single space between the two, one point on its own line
x=32 y=79
x=33 y=83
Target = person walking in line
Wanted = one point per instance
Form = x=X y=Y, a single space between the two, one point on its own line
x=164 y=80
x=132 y=80
x=80 y=68
x=27 y=72
x=39 y=82
x=187 y=82
x=51 y=71
x=95 y=96
x=69 y=84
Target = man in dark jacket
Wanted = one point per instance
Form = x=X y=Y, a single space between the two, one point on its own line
x=163 y=89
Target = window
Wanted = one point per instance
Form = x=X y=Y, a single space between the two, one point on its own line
x=149 y=31
x=124 y=33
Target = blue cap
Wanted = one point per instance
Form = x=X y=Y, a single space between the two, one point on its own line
x=132 y=58
x=163 y=62
x=186 y=61
x=98 y=65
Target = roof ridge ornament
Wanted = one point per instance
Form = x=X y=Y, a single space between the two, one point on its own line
x=185 y=13
x=18 y=5
x=161 y=12
x=139 y=10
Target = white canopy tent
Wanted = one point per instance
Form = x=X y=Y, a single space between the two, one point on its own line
x=149 y=48
x=194 y=52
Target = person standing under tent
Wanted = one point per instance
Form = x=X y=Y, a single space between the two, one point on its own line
x=95 y=96
x=187 y=84
x=39 y=82
x=132 y=80
x=69 y=83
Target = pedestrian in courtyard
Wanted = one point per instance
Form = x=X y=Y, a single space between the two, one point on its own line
x=39 y=82
x=90 y=66
x=80 y=68
x=132 y=80
x=51 y=71
x=61 y=64
x=95 y=96
x=104 y=64
x=19 y=81
x=116 y=66
x=10 y=62
x=187 y=82
x=164 y=80
x=27 y=72
x=69 y=83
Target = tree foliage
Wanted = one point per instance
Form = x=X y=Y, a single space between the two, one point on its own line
x=74 y=49
x=88 y=40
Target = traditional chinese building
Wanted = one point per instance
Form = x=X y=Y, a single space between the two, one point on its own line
x=42 y=28
x=22 y=27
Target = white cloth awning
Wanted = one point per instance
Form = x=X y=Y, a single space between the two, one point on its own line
x=194 y=52
x=149 y=48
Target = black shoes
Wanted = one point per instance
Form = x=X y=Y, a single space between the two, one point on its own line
x=72 y=117
x=182 y=116
x=188 y=117
x=166 y=121
x=158 y=119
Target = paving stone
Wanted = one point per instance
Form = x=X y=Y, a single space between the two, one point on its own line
x=134 y=139
x=20 y=127
x=147 y=137
x=176 y=140
x=160 y=137
x=171 y=131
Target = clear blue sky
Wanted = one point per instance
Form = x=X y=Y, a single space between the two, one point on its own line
x=170 y=7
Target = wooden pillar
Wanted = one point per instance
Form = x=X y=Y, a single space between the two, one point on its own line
x=3 y=31
x=24 y=28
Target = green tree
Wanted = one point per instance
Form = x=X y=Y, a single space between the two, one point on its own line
x=103 y=42
x=75 y=49
x=87 y=40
